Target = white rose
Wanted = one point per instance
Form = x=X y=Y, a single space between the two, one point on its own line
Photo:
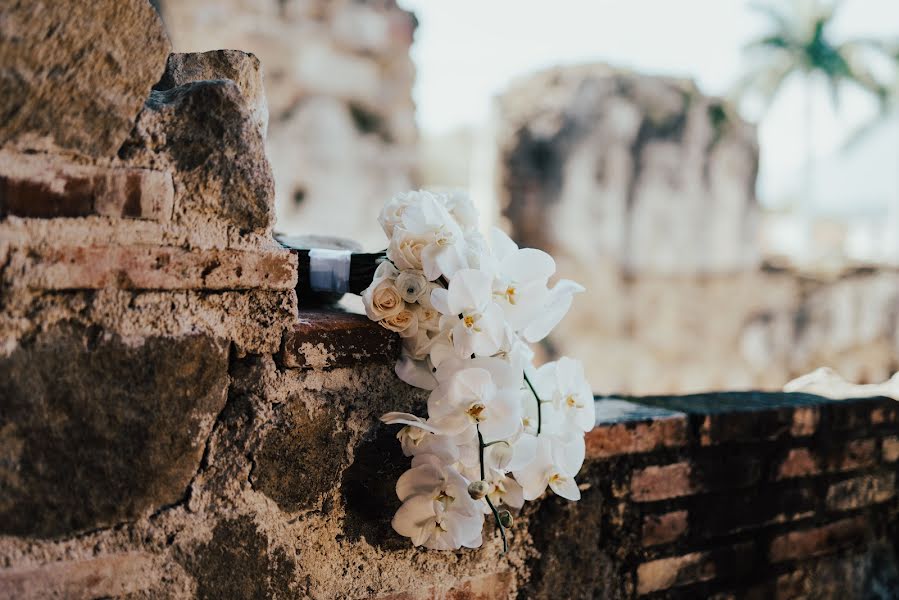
x=412 y=285
x=405 y=250
x=382 y=300
x=392 y=213
x=404 y=323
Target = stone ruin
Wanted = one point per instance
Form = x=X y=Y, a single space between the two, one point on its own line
x=173 y=425
x=644 y=190
x=338 y=78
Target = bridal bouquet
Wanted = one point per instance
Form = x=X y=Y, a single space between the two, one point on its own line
x=498 y=430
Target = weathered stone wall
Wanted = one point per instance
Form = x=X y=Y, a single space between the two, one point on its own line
x=643 y=190
x=173 y=426
x=338 y=78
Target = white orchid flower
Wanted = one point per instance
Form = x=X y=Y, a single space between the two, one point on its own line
x=478 y=325
x=521 y=276
x=417 y=437
x=437 y=511
x=557 y=461
x=556 y=306
x=563 y=383
x=470 y=401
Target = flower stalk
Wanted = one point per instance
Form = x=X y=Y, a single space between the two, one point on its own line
x=499 y=523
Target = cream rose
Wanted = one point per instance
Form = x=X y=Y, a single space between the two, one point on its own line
x=404 y=322
x=382 y=300
x=405 y=250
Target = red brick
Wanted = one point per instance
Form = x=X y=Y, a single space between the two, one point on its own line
x=666 y=573
x=494 y=586
x=34 y=187
x=800 y=462
x=861 y=491
x=804 y=462
x=632 y=434
x=805 y=421
x=328 y=339
x=106 y=576
x=153 y=268
x=859 y=454
x=820 y=540
x=661 y=482
x=891 y=449
x=662 y=529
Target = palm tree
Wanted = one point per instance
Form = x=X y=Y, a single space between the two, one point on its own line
x=799 y=44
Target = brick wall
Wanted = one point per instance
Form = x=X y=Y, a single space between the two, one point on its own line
x=731 y=495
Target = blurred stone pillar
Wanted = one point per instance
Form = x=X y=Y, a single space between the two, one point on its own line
x=644 y=190
x=338 y=77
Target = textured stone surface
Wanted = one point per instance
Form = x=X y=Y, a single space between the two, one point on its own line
x=97 y=430
x=43 y=186
x=152 y=268
x=242 y=68
x=205 y=132
x=76 y=74
x=338 y=79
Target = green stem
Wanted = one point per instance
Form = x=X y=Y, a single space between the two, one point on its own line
x=539 y=402
x=502 y=530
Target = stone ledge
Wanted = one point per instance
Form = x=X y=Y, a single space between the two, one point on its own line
x=106 y=576
x=41 y=187
x=327 y=339
x=141 y=267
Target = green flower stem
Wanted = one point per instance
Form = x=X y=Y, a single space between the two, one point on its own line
x=539 y=402
x=502 y=530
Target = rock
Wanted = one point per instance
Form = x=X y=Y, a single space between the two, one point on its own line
x=239 y=562
x=75 y=74
x=338 y=82
x=96 y=430
x=45 y=186
x=599 y=162
x=243 y=68
x=205 y=131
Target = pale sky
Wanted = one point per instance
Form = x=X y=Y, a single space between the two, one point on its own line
x=467 y=51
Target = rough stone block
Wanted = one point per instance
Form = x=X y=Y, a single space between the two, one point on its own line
x=328 y=339
x=624 y=427
x=205 y=133
x=861 y=491
x=817 y=541
x=40 y=186
x=105 y=576
x=701 y=474
x=152 y=268
x=95 y=430
x=243 y=68
x=76 y=74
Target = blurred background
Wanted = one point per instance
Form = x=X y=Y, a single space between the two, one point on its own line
x=722 y=175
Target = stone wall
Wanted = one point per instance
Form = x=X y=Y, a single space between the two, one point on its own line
x=643 y=190
x=338 y=78
x=172 y=425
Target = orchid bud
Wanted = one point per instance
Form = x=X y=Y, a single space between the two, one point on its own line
x=505 y=517
x=478 y=489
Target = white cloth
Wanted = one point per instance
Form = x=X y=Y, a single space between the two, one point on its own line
x=329 y=270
